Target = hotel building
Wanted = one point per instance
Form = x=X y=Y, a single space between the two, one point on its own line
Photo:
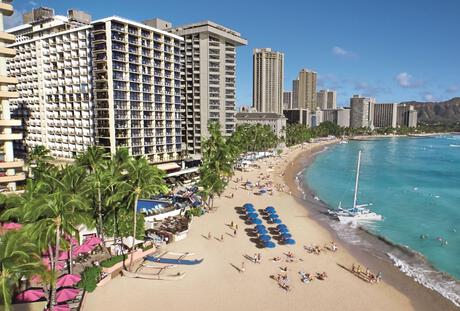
x=385 y=115
x=306 y=97
x=137 y=86
x=10 y=167
x=362 y=112
x=54 y=73
x=326 y=99
x=287 y=100
x=268 y=81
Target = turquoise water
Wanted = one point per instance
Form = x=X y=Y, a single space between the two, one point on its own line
x=413 y=182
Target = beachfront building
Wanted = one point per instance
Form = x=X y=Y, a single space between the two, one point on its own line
x=54 y=82
x=287 y=100
x=300 y=116
x=276 y=122
x=137 y=85
x=338 y=116
x=208 y=77
x=268 y=80
x=295 y=94
x=326 y=99
x=306 y=95
x=385 y=115
x=407 y=116
x=362 y=111
x=10 y=167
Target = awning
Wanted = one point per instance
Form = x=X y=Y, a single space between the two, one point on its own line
x=168 y=166
x=184 y=171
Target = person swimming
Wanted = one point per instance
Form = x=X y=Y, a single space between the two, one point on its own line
x=423 y=237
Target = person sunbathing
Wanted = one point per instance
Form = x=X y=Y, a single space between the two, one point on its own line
x=321 y=276
x=277 y=259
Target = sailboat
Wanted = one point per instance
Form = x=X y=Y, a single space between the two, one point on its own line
x=358 y=212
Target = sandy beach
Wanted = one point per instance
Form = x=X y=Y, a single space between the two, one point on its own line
x=217 y=283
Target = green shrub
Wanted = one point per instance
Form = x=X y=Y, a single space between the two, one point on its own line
x=112 y=261
x=90 y=278
x=194 y=211
x=146 y=248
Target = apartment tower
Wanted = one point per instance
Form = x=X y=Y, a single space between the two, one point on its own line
x=326 y=99
x=287 y=100
x=54 y=72
x=362 y=112
x=295 y=94
x=209 y=79
x=10 y=167
x=137 y=85
x=385 y=115
x=307 y=90
x=268 y=80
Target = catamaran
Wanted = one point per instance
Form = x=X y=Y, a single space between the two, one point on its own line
x=358 y=212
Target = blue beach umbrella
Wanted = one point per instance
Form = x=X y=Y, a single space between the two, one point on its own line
x=270 y=209
x=277 y=221
x=286 y=236
x=256 y=221
x=281 y=226
x=262 y=231
x=283 y=230
x=289 y=241
x=265 y=238
x=260 y=227
x=250 y=210
x=269 y=244
x=273 y=216
x=250 y=205
x=253 y=215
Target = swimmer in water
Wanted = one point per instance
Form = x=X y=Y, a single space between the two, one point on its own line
x=423 y=237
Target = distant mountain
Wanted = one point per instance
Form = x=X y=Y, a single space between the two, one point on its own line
x=438 y=112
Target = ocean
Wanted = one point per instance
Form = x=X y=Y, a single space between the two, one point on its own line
x=414 y=183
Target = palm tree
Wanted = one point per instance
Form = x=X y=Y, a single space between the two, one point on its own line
x=142 y=181
x=38 y=157
x=18 y=257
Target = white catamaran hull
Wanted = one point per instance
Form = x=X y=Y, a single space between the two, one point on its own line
x=362 y=217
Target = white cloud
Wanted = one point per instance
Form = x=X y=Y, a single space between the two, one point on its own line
x=406 y=80
x=429 y=97
x=338 y=51
x=33 y=3
x=453 y=89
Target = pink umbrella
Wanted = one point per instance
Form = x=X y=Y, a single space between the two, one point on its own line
x=64 y=307
x=59 y=265
x=63 y=255
x=12 y=226
x=68 y=280
x=66 y=294
x=36 y=279
x=93 y=241
x=30 y=295
x=81 y=249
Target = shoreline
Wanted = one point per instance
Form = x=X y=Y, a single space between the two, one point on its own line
x=422 y=298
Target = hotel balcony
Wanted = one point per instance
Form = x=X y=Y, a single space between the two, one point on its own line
x=7 y=38
x=7 y=52
x=13 y=164
x=12 y=178
x=13 y=136
x=7 y=94
x=6 y=9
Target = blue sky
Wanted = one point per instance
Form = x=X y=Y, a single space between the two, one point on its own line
x=394 y=50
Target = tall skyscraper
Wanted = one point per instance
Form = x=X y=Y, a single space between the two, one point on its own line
x=137 y=74
x=10 y=167
x=307 y=89
x=209 y=77
x=53 y=67
x=268 y=80
x=326 y=99
x=362 y=111
x=287 y=100
x=295 y=94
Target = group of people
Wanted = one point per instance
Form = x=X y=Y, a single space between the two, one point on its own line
x=316 y=249
x=283 y=281
x=367 y=274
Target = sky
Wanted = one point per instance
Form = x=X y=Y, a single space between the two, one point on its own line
x=394 y=50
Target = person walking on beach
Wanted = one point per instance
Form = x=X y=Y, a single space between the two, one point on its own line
x=221 y=237
x=234 y=233
x=379 y=277
x=242 y=267
x=209 y=236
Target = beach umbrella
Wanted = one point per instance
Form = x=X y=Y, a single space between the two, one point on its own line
x=93 y=241
x=63 y=307
x=273 y=216
x=68 y=280
x=63 y=256
x=66 y=294
x=250 y=209
x=84 y=248
x=270 y=209
x=277 y=221
x=265 y=238
x=47 y=262
x=248 y=205
x=262 y=231
x=286 y=236
x=260 y=227
x=281 y=226
x=283 y=230
x=270 y=212
x=256 y=221
x=31 y=295
x=11 y=226
x=269 y=244
x=253 y=215
x=289 y=241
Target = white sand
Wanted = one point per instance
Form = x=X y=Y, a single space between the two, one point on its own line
x=216 y=285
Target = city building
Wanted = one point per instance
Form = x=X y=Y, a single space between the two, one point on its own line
x=137 y=87
x=362 y=111
x=326 y=99
x=275 y=121
x=306 y=97
x=287 y=100
x=295 y=94
x=54 y=72
x=339 y=116
x=10 y=167
x=268 y=80
x=385 y=115
x=300 y=116
x=209 y=79
x=406 y=116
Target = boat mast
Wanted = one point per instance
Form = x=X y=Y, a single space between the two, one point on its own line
x=357 y=180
